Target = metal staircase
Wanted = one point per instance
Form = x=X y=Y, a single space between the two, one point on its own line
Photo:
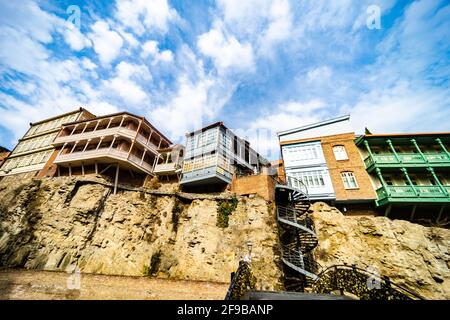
x=297 y=235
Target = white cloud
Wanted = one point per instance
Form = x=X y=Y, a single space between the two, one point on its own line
x=225 y=50
x=107 y=43
x=319 y=74
x=150 y=48
x=125 y=86
x=144 y=15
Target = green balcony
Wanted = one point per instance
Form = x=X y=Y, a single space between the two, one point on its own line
x=407 y=160
x=409 y=194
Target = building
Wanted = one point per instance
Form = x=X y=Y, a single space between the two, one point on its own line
x=410 y=173
x=214 y=155
x=4 y=153
x=34 y=150
x=121 y=145
x=170 y=162
x=323 y=157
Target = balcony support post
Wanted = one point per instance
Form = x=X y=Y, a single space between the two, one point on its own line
x=62 y=149
x=112 y=143
x=441 y=211
x=82 y=169
x=366 y=143
x=96 y=126
x=116 y=180
x=149 y=137
x=74 y=146
x=84 y=129
x=413 y=212
x=439 y=141
x=388 y=210
x=109 y=123
x=96 y=167
x=414 y=142
x=87 y=143
x=405 y=172
x=99 y=143
x=143 y=156
x=59 y=171
x=135 y=137
x=70 y=171
x=436 y=179
x=74 y=128
x=383 y=183
x=389 y=142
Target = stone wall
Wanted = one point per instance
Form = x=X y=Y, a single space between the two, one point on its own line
x=411 y=255
x=58 y=224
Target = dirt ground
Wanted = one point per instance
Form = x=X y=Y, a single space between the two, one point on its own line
x=45 y=285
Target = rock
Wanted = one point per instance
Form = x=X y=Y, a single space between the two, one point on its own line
x=119 y=234
x=409 y=254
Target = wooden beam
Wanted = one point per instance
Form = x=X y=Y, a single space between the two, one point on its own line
x=96 y=167
x=388 y=210
x=70 y=171
x=82 y=169
x=105 y=169
x=413 y=212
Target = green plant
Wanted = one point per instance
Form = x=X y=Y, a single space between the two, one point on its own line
x=224 y=209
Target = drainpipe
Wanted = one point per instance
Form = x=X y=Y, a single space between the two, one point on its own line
x=405 y=172
x=389 y=142
x=444 y=191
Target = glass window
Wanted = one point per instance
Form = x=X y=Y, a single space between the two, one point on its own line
x=340 y=153
x=349 y=180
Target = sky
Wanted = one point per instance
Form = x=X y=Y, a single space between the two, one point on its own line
x=259 y=66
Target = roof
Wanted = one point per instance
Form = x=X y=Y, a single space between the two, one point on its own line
x=81 y=109
x=3 y=149
x=315 y=125
x=118 y=114
x=400 y=135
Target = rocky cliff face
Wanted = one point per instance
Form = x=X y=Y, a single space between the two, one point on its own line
x=60 y=224
x=409 y=254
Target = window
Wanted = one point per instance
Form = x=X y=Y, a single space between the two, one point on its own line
x=340 y=153
x=311 y=179
x=349 y=180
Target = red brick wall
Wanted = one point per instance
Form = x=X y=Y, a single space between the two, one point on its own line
x=262 y=185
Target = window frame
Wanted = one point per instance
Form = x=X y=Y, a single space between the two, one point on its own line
x=345 y=176
x=338 y=155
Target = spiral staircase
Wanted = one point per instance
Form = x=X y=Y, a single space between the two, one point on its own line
x=297 y=234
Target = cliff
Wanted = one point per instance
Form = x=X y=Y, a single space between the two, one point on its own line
x=59 y=224
x=411 y=255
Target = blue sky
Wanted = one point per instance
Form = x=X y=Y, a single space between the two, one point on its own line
x=260 y=66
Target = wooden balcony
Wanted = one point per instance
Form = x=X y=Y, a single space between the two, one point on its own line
x=407 y=160
x=106 y=155
x=410 y=194
x=121 y=131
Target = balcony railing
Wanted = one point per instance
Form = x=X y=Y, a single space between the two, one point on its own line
x=131 y=134
x=104 y=152
x=407 y=158
x=410 y=192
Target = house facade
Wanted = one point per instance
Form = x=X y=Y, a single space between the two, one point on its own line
x=323 y=157
x=119 y=145
x=214 y=154
x=34 y=150
x=410 y=173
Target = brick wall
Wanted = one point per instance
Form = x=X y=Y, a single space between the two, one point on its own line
x=353 y=164
x=262 y=185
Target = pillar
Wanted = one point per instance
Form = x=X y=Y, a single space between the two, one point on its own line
x=413 y=212
x=112 y=143
x=62 y=149
x=70 y=170
x=109 y=123
x=414 y=142
x=82 y=169
x=75 y=128
x=96 y=126
x=96 y=167
x=440 y=213
x=143 y=156
x=388 y=210
x=439 y=141
x=87 y=143
x=116 y=179
x=389 y=142
x=84 y=129
x=100 y=143
x=444 y=191
x=74 y=146
x=405 y=172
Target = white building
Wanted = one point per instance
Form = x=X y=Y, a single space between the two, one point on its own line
x=304 y=159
